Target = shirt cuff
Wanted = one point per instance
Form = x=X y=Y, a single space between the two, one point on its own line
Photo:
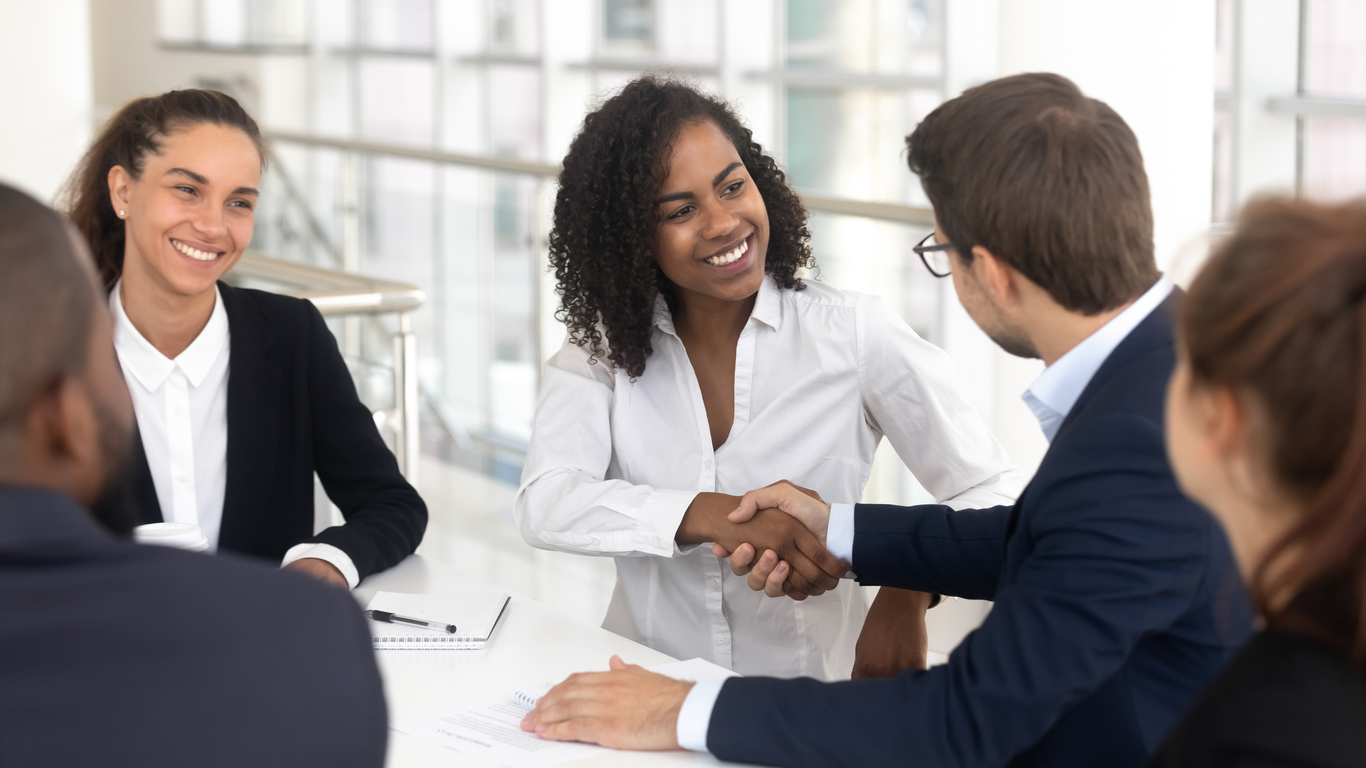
x=328 y=553
x=839 y=533
x=695 y=716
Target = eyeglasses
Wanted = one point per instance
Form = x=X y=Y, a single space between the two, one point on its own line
x=935 y=255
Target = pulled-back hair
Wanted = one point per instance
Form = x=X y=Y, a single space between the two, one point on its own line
x=603 y=245
x=1048 y=180
x=1279 y=313
x=135 y=131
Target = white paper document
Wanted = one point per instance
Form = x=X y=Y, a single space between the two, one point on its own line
x=494 y=731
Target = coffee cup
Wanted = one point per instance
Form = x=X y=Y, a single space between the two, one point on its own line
x=185 y=536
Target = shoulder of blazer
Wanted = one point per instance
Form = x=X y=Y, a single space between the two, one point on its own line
x=259 y=319
x=1137 y=370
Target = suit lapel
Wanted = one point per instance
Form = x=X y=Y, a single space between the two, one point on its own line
x=254 y=412
x=143 y=492
x=1156 y=330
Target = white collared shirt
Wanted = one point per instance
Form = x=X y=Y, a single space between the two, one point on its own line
x=1056 y=390
x=820 y=376
x=182 y=412
x=1050 y=397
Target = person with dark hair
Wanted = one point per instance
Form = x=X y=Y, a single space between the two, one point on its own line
x=1266 y=427
x=1116 y=597
x=699 y=365
x=118 y=654
x=165 y=199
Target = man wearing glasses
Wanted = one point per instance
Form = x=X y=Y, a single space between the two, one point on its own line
x=1116 y=598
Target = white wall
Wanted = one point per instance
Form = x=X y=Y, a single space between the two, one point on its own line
x=46 y=91
x=1153 y=62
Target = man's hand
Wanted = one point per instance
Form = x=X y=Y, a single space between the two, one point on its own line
x=894 y=637
x=321 y=570
x=626 y=708
x=803 y=504
x=811 y=569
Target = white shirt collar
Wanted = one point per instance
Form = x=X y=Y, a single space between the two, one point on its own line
x=149 y=366
x=1056 y=390
x=768 y=307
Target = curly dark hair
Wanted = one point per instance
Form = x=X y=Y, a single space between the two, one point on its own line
x=603 y=244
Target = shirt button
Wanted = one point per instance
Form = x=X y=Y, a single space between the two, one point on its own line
x=654 y=542
x=596 y=543
x=713 y=584
x=707 y=464
x=183 y=479
x=722 y=640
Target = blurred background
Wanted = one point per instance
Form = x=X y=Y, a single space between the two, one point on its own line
x=415 y=145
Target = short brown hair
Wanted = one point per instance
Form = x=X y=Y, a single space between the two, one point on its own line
x=1279 y=313
x=1048 y=180
x=134 y=132
x=47 y=300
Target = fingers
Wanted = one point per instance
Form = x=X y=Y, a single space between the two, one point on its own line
x=806 y=491
x=742 y=559
x=821 y=557
x=750 y=503
x=763 y=569
x=720 y=551
x=774 y=586
x=762 y=498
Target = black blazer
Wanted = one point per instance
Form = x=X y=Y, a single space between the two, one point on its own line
x=1284 y=702
x=124 y=655
x=1117 y=600
x=293 y=410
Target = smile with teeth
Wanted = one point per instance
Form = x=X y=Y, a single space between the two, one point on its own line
x=194 y=253
x=729 y=257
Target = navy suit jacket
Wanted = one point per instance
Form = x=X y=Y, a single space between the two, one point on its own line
x=1117 y=600
x=293 y=410
x=117 y=654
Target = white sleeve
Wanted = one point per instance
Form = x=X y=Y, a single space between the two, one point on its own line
x=565 y=502
x=328 y=553
x=910 y=395
x=694 y=718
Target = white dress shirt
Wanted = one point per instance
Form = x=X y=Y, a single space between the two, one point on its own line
x=1050 y=397
x=820 y=376
x=182 y=412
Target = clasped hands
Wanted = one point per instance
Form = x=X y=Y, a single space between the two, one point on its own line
x=774 y=535
x=628 y=707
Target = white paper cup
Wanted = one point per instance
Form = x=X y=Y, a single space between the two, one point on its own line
x=179 y=535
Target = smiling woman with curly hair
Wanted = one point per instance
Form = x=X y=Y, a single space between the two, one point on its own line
x=699 y=366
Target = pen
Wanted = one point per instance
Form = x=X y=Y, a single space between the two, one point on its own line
x=391 y=618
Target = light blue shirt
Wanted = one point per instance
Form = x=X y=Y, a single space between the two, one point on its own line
x=1050 y=398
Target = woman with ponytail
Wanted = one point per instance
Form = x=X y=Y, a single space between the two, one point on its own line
x=240 y=395
x=1266 y=426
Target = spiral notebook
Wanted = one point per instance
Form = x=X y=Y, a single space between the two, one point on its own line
x=474 y=615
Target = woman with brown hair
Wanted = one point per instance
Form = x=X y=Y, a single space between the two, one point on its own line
x=240 y=395
x=1266 y=426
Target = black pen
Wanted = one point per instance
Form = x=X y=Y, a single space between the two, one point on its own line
x=392 y=618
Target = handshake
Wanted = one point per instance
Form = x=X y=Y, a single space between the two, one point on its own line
x=775 y=535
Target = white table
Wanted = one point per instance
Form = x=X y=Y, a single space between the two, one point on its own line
x=532 y=644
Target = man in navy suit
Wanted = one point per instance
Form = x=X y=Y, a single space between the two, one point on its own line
x=1116 y=598
x=120 y=654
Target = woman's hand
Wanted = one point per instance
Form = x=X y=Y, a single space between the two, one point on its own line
x=810 y=569
x=320 y=570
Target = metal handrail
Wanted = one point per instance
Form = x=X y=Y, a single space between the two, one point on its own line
x=894 y=212
x=333 y=292
x=1318 y=106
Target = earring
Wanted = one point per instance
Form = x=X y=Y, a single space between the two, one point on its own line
x=121 y=213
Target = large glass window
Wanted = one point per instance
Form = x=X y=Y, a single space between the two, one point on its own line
x=830 y=87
